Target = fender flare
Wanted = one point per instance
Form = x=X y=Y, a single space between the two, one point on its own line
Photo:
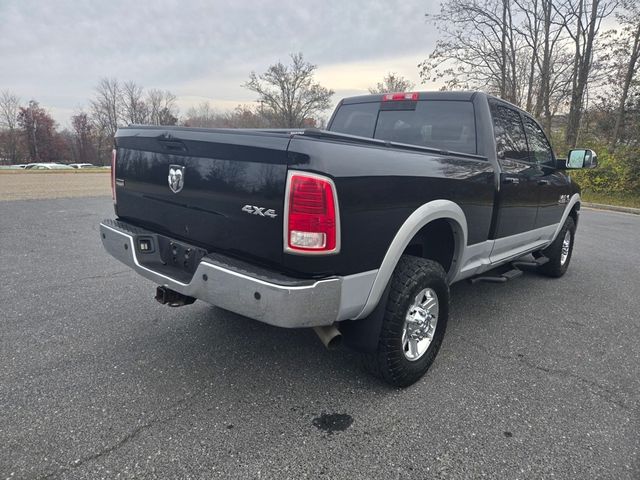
x=575 y=198
x=427 y=213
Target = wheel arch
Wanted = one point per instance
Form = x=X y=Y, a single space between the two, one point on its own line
x=428 y=218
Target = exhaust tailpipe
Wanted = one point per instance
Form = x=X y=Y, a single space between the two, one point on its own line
x=330 y=336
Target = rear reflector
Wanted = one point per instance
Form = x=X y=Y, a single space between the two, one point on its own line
x=312 y=223
x=391 y=97
x=113 y=175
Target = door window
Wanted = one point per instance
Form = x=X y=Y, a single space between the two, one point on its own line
x=540 y=151
x=511 y=142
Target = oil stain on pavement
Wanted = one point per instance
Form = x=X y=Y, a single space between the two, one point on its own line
x=333 y=422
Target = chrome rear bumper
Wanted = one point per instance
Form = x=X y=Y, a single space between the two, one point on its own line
x=276 y=300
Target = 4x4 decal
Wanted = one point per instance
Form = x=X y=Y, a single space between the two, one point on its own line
x=261 y=211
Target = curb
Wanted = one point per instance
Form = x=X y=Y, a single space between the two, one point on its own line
x=613 y=208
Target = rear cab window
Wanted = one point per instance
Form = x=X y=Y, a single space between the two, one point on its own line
x=447 y=125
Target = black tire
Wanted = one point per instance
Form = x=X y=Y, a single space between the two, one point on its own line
x=555 y=267
x=389 y=362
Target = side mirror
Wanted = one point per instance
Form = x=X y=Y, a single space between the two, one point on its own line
x=580 y=158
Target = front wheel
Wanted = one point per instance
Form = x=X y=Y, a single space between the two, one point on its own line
x=414 y=323
x=560 y=251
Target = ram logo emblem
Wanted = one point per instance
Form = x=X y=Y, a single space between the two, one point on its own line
x=176 y=178
x=260 y=211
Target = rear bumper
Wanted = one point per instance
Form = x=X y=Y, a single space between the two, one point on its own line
x=265 y=296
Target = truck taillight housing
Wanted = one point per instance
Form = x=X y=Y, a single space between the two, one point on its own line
x=312 y=223
x=113 y=175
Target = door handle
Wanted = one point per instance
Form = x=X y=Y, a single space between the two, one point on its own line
x=511 y=180
x=543 y=182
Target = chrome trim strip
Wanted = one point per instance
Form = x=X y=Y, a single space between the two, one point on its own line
x=426 y=213
x=285 y=220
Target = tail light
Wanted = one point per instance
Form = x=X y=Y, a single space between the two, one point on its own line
x=312 y=223
x=113 y=175
x=393 y=97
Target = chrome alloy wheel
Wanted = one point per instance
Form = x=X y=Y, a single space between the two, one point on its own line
x=566 y=244
x=420 y=324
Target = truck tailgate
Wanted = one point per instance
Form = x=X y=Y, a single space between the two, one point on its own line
x=231 y=194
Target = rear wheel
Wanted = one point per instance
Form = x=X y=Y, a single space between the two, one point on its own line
x=560 y=251
x=414 y=323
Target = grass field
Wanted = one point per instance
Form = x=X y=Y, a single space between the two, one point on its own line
x=624 y=200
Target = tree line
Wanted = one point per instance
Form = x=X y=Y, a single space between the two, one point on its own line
x=28 y=133
x=288 y=97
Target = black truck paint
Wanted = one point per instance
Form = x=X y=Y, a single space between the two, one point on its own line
x=512 y=200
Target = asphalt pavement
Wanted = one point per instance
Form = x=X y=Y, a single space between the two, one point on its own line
x=537 y=378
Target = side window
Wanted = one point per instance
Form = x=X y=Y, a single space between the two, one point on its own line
x=511 y=142
x=539 y=148
x=356 y=119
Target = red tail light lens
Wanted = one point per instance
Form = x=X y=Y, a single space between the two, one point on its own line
x=312 y=224
x=391 y=97
x=113 y=175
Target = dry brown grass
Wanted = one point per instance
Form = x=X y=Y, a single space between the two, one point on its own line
x=34 y=184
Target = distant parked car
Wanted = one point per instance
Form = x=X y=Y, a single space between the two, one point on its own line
x=13 y=167
x=82 y=165
x=47 y=166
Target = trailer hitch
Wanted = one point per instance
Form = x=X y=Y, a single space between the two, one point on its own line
x=166 y=296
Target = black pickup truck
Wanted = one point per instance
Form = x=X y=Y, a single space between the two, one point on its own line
x=357 y=231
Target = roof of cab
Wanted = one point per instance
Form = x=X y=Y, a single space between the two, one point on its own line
x=460 y=96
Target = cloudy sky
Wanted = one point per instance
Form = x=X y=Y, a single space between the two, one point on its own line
x=56 y=51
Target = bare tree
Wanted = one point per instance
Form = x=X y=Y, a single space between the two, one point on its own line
x=245 y=116
x=626 y=55
x=39 y=132
x=106 y=107
x=162 y=107
x=392 y=82
x=203 y=115
x=82 y=138
x=478 y=49
x=9 y=107
x=134 y=108
x=581 y=20
x=546 y=61
x=288 y=94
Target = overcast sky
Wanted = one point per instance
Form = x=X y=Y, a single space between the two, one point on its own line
x=56 y=51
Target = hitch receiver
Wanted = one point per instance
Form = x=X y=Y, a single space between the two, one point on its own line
x=166 y=296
